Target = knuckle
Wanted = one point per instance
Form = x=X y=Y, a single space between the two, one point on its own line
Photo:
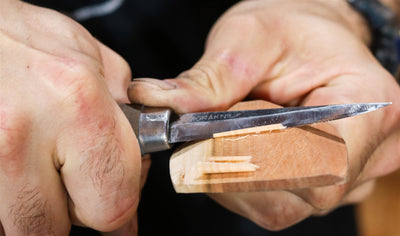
x=244 y=23
x=282 y=217
x=326 y=198
x=116 y=214
x=274 y=223
x=207 y=79
x=72 y=78
x=114 y=219
x=280 y=210
x=77 y=87
x=14 y=139
x=107 y=175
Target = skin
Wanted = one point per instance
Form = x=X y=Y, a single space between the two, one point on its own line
x=67 y=152
x=293 y=53
x=394 y=5
x=68 y=155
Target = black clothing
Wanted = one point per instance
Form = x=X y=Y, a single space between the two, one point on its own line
x=160 y=39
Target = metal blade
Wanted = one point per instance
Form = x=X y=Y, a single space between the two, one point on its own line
x=194 y=126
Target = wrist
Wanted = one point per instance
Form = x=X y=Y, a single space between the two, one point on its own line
x=384 y=27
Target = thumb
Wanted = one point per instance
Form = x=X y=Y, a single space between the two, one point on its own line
x=386 y=158
x=243 y=49
x=117 y=73
x=211 y=84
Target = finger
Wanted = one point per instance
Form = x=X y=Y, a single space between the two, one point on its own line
x=33 y=200
x=323 y=198
x=100 y=158
x=212 y=84
x=359 y=149
x=225 y=74
x=216 y=82
x=131 y=227
x=274 y=210
x=354 y=196
x=128 y=229
x=146 y=163
x=359 y=193
x=117 y=73
x=386 y=157
x=1 y=230
x=194 y=90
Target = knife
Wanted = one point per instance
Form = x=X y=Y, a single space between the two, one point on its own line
x=157 y=129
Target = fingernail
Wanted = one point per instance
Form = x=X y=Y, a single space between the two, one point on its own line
x=154 y=83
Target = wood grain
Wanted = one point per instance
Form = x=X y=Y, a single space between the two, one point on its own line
x=304 y=157
x=379 y=214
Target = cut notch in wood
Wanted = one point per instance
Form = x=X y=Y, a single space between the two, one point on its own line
x=225 y=167
x=229 y=158
x=297 y=158
x=226 y=164
x=252 y=130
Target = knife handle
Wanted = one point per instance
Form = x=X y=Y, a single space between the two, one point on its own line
x=151 y=126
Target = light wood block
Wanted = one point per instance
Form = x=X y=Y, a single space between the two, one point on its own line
x=309 y=156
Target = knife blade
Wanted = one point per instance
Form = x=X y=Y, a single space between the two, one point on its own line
x=158 y=129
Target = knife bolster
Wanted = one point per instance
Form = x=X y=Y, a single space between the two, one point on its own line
x=153 y=129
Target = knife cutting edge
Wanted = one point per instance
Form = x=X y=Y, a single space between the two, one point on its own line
x=158 y=129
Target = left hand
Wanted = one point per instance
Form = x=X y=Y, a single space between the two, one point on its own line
x=293 y=53
x=67 y=152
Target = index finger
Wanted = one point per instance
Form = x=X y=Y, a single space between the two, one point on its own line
x=100 y=158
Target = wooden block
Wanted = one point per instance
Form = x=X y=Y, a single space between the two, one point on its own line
x=310 y=156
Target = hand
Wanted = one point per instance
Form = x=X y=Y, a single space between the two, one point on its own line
x=130 y=228
x=292 y=53
x=67 y=152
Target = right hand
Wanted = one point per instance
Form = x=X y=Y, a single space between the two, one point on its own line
x=67 y=152
x=293 y=53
